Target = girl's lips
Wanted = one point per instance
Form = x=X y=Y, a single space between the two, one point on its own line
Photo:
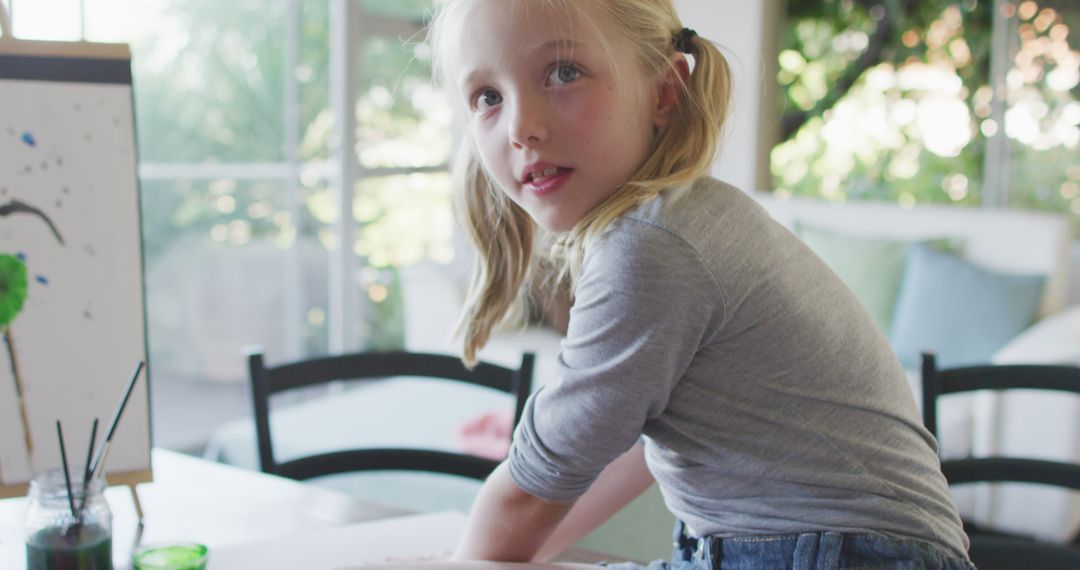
x=549 y=184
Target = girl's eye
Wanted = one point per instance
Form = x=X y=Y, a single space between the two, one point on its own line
x=565 y=73
x=486 y=99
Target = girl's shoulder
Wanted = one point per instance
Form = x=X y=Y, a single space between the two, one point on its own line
x=694 y=209
x=707 y=222
x=680 y=225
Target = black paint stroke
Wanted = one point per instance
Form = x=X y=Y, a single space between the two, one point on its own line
x=17 y=207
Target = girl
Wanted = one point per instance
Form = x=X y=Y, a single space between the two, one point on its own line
x=774 y=416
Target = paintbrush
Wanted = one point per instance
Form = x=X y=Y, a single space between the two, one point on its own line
x=103 y=447
x=86 y=467
x=90 y=454
x=64 y=465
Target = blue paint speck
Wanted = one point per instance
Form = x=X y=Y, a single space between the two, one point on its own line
x=29 y=139
x=41 y=279
x=21 y=256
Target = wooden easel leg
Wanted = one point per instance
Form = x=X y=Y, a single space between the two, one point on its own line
x=139 y=515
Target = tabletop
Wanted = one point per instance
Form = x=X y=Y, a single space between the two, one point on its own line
x=221 y=506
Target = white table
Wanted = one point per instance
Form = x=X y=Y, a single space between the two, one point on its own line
x=217 y=505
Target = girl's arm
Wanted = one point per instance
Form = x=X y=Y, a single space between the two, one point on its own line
x=506 y=523
x=622 y=481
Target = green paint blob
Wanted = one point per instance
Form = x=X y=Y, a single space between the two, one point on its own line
x=12 y=288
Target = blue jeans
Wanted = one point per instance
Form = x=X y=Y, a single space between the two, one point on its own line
x=807 y=551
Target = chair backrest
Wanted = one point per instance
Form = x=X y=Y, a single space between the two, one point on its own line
x=990 y=548
x=938 y=382
x=267 y=381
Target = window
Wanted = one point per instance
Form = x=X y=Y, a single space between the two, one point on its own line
x=895 y=101
x=243 y=178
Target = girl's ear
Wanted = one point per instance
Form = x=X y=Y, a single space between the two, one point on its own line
x=670 y=90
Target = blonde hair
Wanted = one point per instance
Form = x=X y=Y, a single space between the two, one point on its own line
x=506 y=238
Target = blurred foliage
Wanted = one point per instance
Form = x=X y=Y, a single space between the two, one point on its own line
x=212 y=209
x=416 y=10
x=209 y=88
x=1045 y=173
x=890 y=100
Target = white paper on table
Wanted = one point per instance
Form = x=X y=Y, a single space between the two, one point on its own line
x=401 y=538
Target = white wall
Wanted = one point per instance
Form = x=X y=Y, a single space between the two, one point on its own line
x=745 y=31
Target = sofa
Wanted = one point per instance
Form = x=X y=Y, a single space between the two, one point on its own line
x=1009 y=243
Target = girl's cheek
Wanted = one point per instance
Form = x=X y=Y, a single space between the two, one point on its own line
x=487 y=133
x=494 y=161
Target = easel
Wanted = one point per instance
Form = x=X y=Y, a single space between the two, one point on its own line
x=115 y=53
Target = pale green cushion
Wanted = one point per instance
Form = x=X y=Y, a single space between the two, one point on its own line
x=960 y=311
x=872 y=267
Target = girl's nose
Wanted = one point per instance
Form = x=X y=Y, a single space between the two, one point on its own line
x=528 y=127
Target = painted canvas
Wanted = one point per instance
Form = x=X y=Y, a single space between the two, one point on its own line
x=72 y=319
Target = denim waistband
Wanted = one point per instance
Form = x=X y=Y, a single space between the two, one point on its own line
x=810 y=551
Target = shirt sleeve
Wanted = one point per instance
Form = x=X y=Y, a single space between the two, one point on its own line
x=643 y=306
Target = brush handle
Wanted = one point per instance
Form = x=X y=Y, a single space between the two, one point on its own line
x=24 y=416
x=87 y=468
x=67 y=473
x=99 y=460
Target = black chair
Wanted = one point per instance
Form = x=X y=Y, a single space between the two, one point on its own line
x=267 y=381
x=991 y=549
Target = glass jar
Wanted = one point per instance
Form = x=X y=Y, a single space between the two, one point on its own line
x=56 y=538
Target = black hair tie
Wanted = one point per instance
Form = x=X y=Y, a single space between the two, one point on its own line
x=684 y=40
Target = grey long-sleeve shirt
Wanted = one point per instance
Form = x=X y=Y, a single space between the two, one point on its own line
x=769 y=401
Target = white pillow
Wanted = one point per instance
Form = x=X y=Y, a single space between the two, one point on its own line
x=1051 y=514
x=1053 y=340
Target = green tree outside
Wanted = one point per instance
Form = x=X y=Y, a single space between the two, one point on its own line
x=890 y=100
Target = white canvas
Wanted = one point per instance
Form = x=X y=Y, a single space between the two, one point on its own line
x=67 y=152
